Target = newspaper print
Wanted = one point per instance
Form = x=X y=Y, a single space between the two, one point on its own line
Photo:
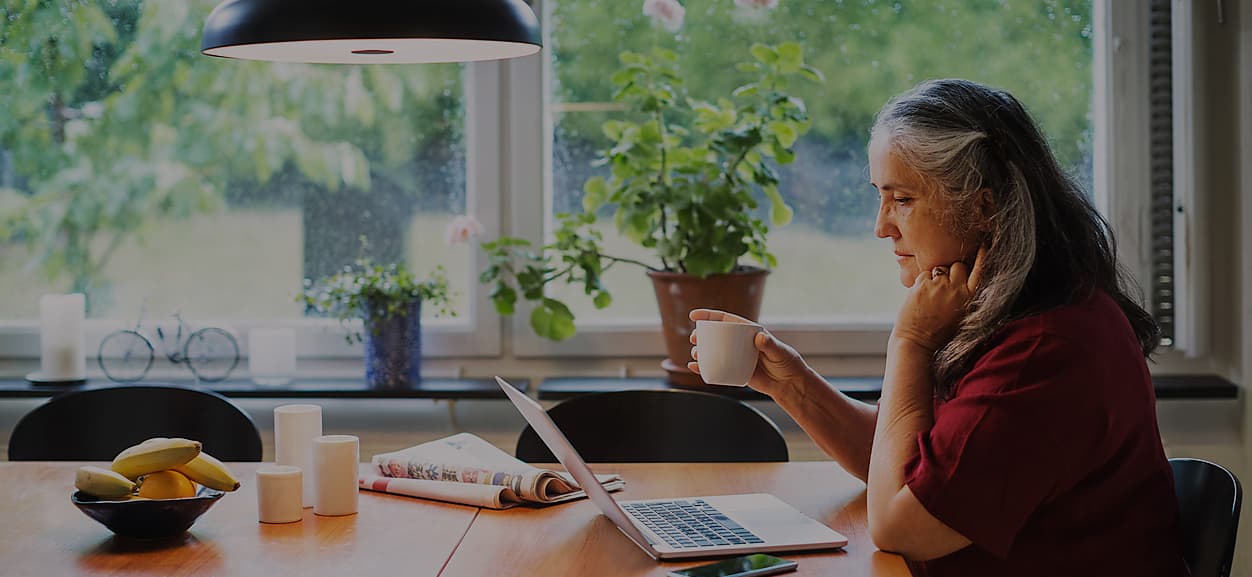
x=466 y=458
x=442 y=472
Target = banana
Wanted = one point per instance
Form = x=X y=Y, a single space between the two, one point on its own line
x=210 y=472
x=102 y=483
x=155 y=455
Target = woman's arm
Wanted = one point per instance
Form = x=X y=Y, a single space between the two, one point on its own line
x=931 y=312
x=841 y=426
x=897 y=520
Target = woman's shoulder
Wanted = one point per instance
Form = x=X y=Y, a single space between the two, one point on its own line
x=1093 y=315
x=1074 y=342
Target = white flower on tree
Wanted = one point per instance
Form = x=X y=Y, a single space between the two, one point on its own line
x=764 y=4
x=668 y=13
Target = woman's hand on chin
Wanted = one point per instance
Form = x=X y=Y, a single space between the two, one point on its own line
x=936 y=303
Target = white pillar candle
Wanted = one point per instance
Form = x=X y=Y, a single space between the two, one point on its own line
x=61 y=348
x=279 y=494
x=295 y=427
x=271 y=356
x=336 y=460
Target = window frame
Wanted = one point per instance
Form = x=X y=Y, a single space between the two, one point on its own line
x=508 y=140
x=475 y=332
x=1192 y=271
x=1123 y=155
x=1117 y=140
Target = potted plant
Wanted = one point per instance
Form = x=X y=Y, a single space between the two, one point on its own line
x=685 y=177
x=389 y=299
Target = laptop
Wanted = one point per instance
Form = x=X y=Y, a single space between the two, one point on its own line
x=686 y=527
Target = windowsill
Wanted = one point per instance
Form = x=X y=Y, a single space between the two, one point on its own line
x=1181 y=387
x=863 y=388
x=335 y=388
x=1168 y=387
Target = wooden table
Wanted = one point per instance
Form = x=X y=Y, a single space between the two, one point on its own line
x=42 y=533
x=574 y=539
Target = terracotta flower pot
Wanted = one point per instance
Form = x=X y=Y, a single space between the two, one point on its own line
x=739 y=292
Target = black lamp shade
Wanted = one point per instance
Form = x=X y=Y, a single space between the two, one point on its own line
x=371 y=31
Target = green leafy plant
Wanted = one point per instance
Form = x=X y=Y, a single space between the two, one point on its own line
x=683 y=181
x=366 y=289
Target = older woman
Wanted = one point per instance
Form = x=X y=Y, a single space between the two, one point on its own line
x=1016 y=433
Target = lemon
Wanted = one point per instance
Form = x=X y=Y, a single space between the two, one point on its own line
x=166 y=485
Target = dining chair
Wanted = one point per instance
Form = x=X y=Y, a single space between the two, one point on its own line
x=1209 y=497
x=659 y=426
x=95 y=424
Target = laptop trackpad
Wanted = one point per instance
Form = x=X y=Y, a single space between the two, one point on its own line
x=770 y=518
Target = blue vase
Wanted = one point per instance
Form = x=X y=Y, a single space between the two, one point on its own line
x=393 y=347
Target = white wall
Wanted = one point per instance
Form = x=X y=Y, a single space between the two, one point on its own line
x=1223 y=64
x=1241 y=307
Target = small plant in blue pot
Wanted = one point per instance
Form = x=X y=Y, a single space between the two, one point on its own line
x=389 y=299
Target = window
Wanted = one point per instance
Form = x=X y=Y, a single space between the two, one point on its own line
x=135 y=169
x=831 y=268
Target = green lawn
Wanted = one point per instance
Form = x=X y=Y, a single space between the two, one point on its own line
x=818 y=275
x=229 y=265
x=246 y=265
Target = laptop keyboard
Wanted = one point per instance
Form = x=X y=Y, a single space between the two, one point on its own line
x=688 y=524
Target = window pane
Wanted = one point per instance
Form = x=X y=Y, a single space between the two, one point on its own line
x=830 y=265
x=133 y=167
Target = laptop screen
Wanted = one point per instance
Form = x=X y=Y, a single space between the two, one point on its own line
x=565 y=453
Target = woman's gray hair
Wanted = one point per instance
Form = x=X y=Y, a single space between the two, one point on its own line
x=981 y=148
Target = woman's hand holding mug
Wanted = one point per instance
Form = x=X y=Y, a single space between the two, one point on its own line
x=778 y=365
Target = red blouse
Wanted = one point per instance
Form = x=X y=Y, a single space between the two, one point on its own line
x=1048 y=455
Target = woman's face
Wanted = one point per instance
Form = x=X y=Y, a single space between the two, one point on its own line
x=912 y=214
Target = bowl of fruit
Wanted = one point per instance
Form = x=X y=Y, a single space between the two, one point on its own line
x=153 y=490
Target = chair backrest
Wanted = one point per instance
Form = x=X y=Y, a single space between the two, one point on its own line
x=665 y=426
x=1209 y=497
x=98 y=423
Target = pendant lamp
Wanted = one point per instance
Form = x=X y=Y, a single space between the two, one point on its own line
x=371 y=31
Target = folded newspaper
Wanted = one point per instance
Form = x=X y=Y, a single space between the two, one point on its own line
x=465 y=469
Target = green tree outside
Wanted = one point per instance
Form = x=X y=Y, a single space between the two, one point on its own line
x=113 y=119
x=869 y=50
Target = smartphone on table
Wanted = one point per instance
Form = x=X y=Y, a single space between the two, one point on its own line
x=745 y=566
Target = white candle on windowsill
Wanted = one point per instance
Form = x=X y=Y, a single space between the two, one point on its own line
x=61 y=347
x=271 y=356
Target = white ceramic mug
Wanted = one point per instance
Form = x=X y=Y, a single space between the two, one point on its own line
x=727 y=352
